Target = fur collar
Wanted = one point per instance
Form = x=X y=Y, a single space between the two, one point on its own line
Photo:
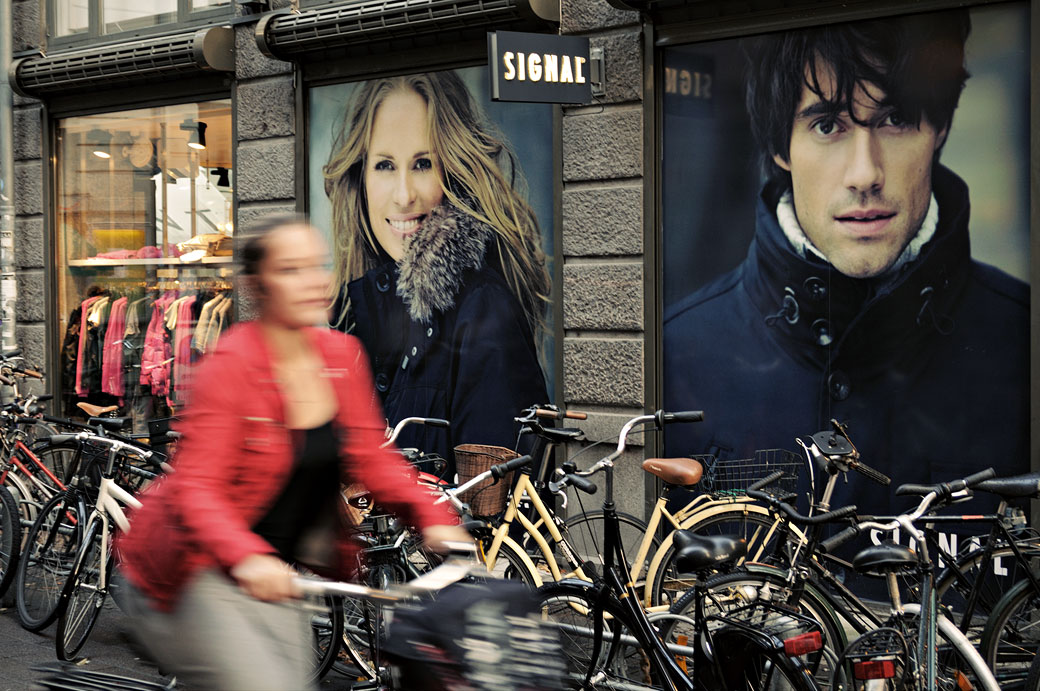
x=436 y=257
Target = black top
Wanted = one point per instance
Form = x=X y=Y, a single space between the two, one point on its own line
x=312 y=487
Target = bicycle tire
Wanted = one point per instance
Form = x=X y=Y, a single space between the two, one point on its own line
x=669 y=585
x=327 y=634
x=569 y=606
x=49 y=555
x=82 y=597
x=1012 y=635
x=584 y=533
x=749 y=666
x=359 y=641
x=10 y=539
x=756 y=582
x=516 y=567
x=954 y=584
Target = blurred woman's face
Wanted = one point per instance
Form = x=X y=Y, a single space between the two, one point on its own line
x=293 y=278
x=402 y=176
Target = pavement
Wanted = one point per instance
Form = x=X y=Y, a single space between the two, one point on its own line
x=109 y=649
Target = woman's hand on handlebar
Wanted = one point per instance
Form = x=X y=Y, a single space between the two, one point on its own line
x=436 y=537
x=265 y=577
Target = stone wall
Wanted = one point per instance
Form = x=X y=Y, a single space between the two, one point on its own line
x=603 y=348
x=31 y=310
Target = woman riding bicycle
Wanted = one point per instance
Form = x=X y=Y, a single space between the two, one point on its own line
x=281 y=413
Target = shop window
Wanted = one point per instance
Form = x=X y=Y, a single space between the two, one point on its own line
x=73 y=22
x=144 y=228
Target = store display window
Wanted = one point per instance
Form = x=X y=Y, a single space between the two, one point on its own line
x=144 y=229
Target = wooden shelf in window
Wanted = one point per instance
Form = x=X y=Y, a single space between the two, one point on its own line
x=158 y=261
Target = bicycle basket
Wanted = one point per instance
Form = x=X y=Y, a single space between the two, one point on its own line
x=732 y=477
x=487 y=498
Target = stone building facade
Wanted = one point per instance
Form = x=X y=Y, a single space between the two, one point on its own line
x=608 y=284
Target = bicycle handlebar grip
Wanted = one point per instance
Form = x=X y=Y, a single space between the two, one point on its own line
x=500 y=470
x=910 y=488
x=835 y=515
x=684 y=416
x=32 y=374
x=871 y=474
x=436 y=422
x=584 y=484
x=62 y=438
x=767 y=480
x=575 y=415
x=835 y=541
x=11 y=353
x=978 y=477
x=43 y=398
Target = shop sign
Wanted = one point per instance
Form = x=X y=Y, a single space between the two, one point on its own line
x=539 y=68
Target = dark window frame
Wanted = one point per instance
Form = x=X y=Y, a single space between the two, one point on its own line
x=95 y=34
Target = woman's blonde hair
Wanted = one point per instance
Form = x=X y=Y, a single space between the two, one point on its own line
x=481 y=178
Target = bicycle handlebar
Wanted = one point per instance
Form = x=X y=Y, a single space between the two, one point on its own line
x=870 y=473
x=946 y=490
x=755 y=492
x=576 y=481
x=11 y=354
x=452 y=570
x=682 y=416
x=549 y=414
x=500 y=470
x=835 y=541
x=429 y=421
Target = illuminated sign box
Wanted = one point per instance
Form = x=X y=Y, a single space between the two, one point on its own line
x=539 y=68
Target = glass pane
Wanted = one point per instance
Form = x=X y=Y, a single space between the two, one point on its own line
x=143 y=219
x=127 y=15
x=208 y=4
x=71 y=17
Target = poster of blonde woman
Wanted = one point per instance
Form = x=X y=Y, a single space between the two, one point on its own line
x=438 y=205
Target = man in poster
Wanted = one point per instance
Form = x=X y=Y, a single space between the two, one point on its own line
x=858 y=299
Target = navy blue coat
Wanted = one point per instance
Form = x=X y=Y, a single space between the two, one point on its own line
x=450 y=341
x=931 y=372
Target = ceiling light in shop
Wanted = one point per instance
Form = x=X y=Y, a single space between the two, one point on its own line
x=101 y=154
x=196 y=133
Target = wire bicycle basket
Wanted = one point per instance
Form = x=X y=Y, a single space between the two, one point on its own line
x=730 y=478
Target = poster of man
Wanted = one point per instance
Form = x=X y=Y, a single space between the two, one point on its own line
x=441 y=248
x=851 y=243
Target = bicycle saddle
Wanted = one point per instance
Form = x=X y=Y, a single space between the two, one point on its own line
x=695 y=552
x=562 y=434
x=96 y=410
x=675 y=471
x=112 y=424
x=888 y=557
x=1027 y=485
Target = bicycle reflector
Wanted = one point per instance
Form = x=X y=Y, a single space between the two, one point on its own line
x=874 y=669
x=802 y=644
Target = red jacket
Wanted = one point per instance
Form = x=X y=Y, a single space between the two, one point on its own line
x=236 y=455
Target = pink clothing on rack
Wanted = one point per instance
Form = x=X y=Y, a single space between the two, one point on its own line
x=182 y=333
x=84 y=308
x=149 y=252
x=112 y=352
x=155 y=359
x=117 y=254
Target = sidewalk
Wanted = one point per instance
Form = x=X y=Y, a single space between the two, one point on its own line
x=109 y=649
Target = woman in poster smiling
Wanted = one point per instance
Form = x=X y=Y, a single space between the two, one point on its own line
x=439 y=268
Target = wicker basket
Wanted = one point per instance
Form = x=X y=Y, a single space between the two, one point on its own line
x=487 y=498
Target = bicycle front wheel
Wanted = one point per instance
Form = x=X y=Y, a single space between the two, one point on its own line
x=50 y=553
x=83 y=596
x=584 y=533
x=1012 y=636
x=10 y=539
x=621 y=662
x=958 y=665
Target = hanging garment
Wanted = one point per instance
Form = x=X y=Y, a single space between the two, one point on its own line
x=112 y=355
x=157 y=354
x=182 y=332
x=84 y=315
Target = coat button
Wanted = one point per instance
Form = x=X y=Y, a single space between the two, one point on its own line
x=821 y=331
x=429 y=332
x=815 y=287
x=839 y=385
x=382 y=381
x=383 y=282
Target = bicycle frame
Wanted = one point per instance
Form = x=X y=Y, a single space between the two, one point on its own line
x=108 y=505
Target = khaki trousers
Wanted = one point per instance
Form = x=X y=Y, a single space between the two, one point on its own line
x=219 y=638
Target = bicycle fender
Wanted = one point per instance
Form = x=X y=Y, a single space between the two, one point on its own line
x=526 y=559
